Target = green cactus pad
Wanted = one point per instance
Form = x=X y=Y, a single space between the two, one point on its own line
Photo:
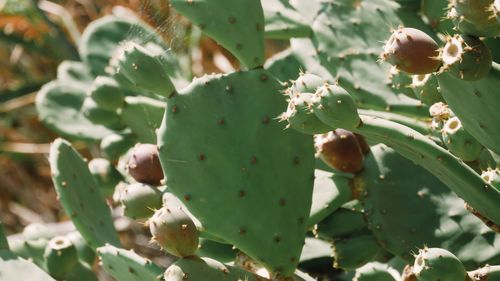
x=99 y=115
x=106 y=175
x=330 y=192
x=353 y=252
x=101 y=37
x=80 y=195
x=476 y=104
x=15 y=268
x=106 y=93
x=59 y=104
x=353 y=59
x=406 y=212
x=455 y=174
x=74 y=72
x=221 y=252
x=115 y=145
x=144 y=68
x=30 y=249
x=143 y=116
x=284 y=65
x=82 y=272
x=259 y=170
x=126 y=265
x=195 y=268
x=238 y=25
x=341 y=224
x=283 y=21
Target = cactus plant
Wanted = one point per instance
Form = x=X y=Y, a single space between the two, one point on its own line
x=224 y=167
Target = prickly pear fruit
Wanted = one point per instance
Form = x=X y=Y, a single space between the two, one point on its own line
x=492 y=176
x=106 y=175
x=426 y=88
x=340 y=150
x=299 y=113
x=475 y=17
x=466 y=57
x=335 y=107
x=306 y=83
x=173 y=229
x=376 y=271
x=300 y=116
x=436 y=264
x=144 y=68
x=106 y=93
x=140 y=200
x=440 y=113
x=60 y=257
x=412 y=51
x=459 y=141
x=144 y=165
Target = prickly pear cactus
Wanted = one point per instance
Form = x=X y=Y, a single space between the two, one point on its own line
x=370 y=144
x=243 y=159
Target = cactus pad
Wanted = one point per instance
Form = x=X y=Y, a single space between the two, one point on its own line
x=247 y=173
x=126 y=265
x=80 y=195
x=238 y=25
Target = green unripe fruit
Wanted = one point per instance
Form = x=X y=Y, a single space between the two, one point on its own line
x=340 y=150
x=106 y=93
x=306 y=83
x=459 y=141
x=173 y=229
x=335 y=107
x=140 y=200
x=492 y=176
x=466 y=57
x=115 y=145
x=60 y=257
x=300 y=116
x=106 y=175
x=474 y=17
x=376 y=271
x=353 y=252
x=144 y=165
x=426 y=88
x=412 y=51
x=144 y=68
x=435 y=264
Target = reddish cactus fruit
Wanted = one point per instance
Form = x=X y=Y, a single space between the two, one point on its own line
x=412 y=51
x=341 y=150
x=144 y=165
